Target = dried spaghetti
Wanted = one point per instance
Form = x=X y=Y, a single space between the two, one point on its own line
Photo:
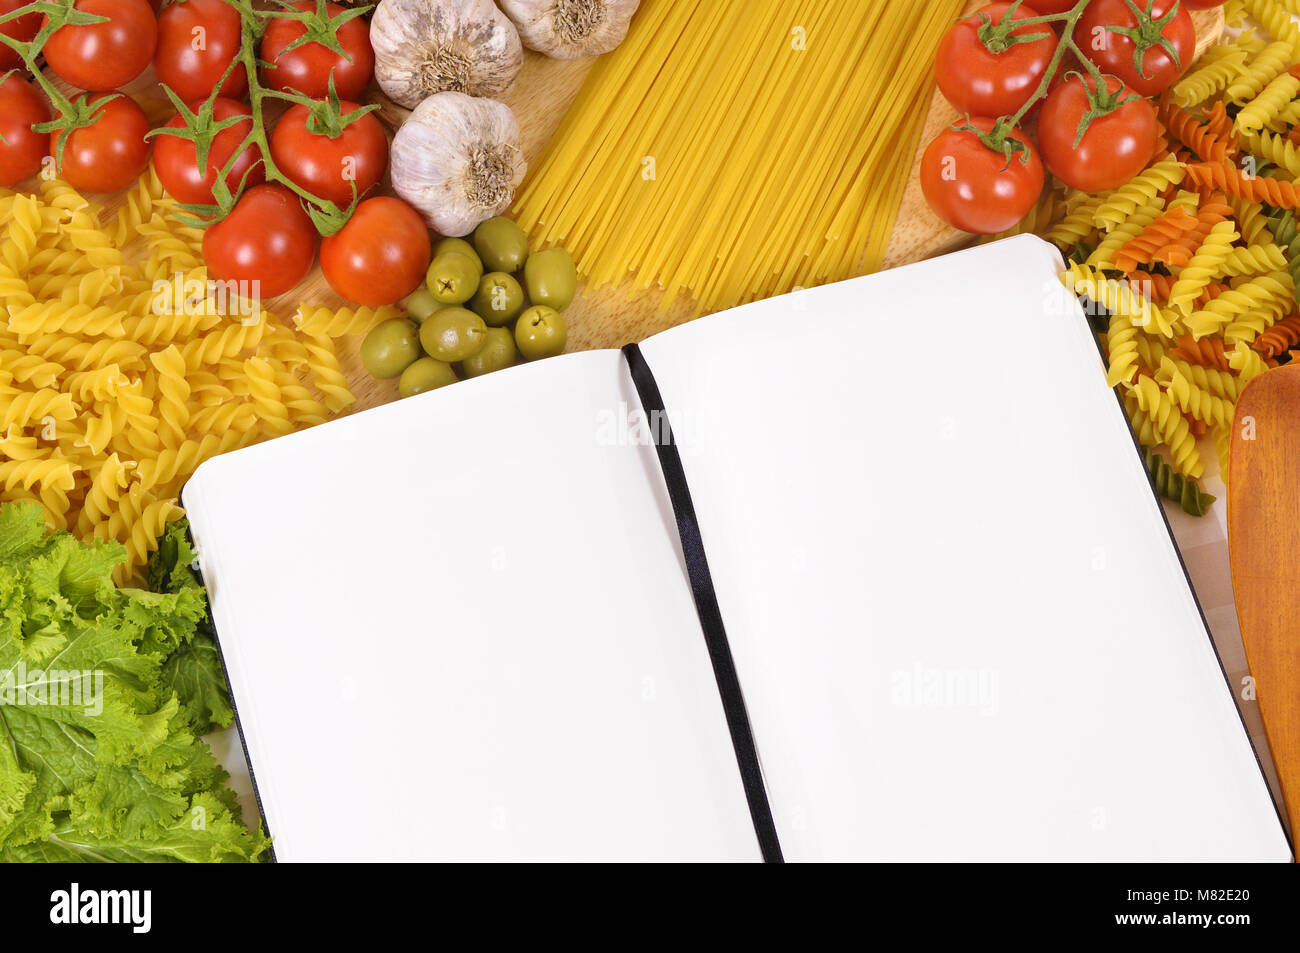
x=692 y=160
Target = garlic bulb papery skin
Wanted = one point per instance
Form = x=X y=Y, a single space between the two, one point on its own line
x=567 y=29
x=457 y=160
x=424 y=47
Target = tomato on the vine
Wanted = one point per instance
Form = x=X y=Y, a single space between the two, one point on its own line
x=1115 y=147
x=380 y=256
x=1203 y=4
x=329 y=167
x=21 y=150
x=23 y=29
x=110 y=153
x=176 y=159
x=103 y=56
x=307 y=68
x=197 y=42
x=267 y=238
x=1114 y=52
x=981 y=82
x=976 y=189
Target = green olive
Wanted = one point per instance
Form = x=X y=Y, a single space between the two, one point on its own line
x=499 y=299
x=501 y=244
x=390 y=348
x=424 y=375
x=421 y=303
x=453 y=334
x=551 y=278
x=541 y=332
x=456 y=246
x=453 y=278
x=498 y=352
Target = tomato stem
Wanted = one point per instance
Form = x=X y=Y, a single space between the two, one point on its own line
x=998 y=38
x=325 y=215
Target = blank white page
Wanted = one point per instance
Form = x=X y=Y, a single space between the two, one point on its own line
x=961 y=626
x=457 y=628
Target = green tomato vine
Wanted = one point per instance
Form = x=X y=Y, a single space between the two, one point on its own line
x=999 y=37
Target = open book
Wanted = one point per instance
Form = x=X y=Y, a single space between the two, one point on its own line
x=461 y=626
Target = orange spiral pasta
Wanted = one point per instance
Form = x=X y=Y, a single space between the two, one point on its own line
x=1207 y=352
x=1183 y=126
x=1224 y=175
x=1280 y=337
x=1159 y=237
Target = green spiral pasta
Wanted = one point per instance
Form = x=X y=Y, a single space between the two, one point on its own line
x=1173 y=486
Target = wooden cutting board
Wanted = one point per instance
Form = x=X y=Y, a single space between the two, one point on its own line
x=608 y=318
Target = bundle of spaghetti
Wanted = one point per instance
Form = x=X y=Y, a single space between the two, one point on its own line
x=1224 y=175
x=1197 y=136
x=1282 y=336
x=1158 y=241
x=690 y=161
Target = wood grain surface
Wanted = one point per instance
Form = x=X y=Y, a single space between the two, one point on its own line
x=1264 y=551
x=606 y=317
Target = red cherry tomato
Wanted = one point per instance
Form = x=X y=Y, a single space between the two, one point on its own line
x=268 y=238
x=380 y=256
x=973 y=188
x=176 y=160
x=1116 y=146
x=1114 y=52
x=1203 y=4
x=24 y=28
x=21 y=150
x=980 y=82
x=325 y=167
x=197 y=42
x=109 y=154
x=103 y=56
x=307 y=69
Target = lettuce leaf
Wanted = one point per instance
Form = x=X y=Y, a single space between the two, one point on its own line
x=104 y=694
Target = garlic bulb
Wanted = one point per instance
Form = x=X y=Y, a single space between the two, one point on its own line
x=424 y=47
x=457 y=160
x=567 y=29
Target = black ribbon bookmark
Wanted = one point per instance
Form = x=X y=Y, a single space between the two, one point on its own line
x=706 y=605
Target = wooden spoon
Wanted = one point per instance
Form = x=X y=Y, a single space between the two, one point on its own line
x=1264 y=547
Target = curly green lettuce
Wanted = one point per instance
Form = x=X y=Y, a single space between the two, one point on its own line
x=104 y=696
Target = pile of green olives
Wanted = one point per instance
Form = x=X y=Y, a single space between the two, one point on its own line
x=485 y=303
